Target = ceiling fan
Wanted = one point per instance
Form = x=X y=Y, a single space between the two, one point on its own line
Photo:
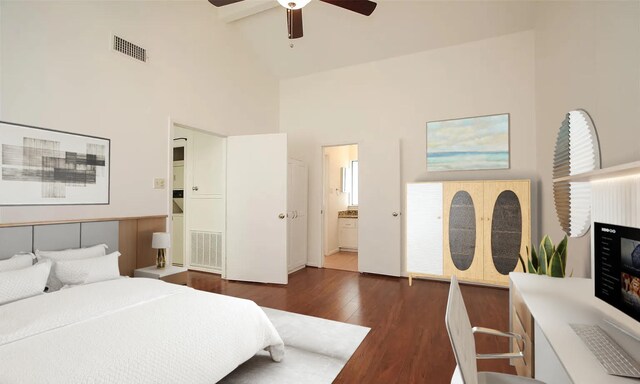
x=294 y=10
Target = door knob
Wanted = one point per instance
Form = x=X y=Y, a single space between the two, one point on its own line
x=282 y=216
x=395 y=214
x=194 y=188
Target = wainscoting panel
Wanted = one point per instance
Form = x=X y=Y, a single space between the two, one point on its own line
x=129 y=235
x=146 y=256
x=56 y=237
x=14 y=240
x=100 y=232
x=128 y=244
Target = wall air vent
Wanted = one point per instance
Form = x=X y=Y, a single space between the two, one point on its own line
x=132 y=50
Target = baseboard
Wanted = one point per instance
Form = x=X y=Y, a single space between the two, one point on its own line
x=333 y=252
x=296 y=269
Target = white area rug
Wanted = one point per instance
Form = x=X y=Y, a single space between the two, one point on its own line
x=315 y=351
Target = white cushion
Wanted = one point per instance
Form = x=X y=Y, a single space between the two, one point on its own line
x=74 y=253
x=85 y=271
x=16 y=262
x=23 y=283
x=54 y=283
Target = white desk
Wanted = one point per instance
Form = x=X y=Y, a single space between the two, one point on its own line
x=560 y=355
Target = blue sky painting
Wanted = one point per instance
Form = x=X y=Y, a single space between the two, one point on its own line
x=468 y=144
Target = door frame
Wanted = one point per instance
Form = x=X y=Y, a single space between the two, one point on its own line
x=324 y=195
x=187 y=192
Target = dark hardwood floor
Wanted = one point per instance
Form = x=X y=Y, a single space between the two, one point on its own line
x=408 y=342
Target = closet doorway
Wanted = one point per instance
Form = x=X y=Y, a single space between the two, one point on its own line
x=198 y=190
x=235 y=188
x=340 y=201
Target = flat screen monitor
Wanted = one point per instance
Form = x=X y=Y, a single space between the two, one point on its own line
x=617 y=267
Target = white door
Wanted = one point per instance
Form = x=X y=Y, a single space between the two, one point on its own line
x=256 y=208
x=297 y=207
x=424 y=228
x=379 y=215
x=177 y=248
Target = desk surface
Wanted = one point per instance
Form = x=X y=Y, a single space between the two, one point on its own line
x=555 y=303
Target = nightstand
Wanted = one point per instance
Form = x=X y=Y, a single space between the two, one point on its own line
x=170 y=274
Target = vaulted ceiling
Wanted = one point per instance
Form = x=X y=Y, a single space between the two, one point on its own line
x=334 y=37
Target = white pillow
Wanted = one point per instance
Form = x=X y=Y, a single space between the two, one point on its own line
x=85 y=271
x=74 y=253
x=23 y=283
x=68 y=254
x=16 y=262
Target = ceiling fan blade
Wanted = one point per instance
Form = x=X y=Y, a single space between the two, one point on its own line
x=222 y=3
x=294 y=23
x=363 y=7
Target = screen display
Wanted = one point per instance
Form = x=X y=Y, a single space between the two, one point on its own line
x=617 y=267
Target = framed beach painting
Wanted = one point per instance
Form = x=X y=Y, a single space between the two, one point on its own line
x=472 y=143
x=41 y=166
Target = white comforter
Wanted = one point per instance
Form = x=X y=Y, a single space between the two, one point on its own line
x=130 y=331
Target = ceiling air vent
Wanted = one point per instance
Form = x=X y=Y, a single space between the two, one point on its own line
x=129 y=49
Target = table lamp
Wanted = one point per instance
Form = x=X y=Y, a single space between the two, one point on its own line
x=161 y=241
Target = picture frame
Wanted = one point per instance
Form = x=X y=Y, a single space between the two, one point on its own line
x=469 y=143
x=41 y=166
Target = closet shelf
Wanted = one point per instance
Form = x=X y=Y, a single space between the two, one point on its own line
x=604 y=173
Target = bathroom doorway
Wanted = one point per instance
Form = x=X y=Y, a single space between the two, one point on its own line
x=340 y=202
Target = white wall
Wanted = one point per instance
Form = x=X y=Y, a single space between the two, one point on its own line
x=587 y=56
x=394 y=98
x=337 y=200
x=59 y=72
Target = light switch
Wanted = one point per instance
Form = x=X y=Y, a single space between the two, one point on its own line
x=158 y=183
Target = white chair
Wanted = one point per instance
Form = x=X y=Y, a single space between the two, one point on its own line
x=464 y=346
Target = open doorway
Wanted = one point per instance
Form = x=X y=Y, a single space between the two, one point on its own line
x=340 y=196
x=198 y=198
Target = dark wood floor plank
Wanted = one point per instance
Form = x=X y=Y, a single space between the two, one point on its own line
x=408 y=342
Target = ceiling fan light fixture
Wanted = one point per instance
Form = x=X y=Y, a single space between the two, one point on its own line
x=293 y=4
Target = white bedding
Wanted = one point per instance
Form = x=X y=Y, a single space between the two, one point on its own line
x=130 y=331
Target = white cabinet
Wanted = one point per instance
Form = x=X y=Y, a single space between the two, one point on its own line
x=348 y=233
x=474 y=230
x=424 y=228
x=297 y=191
x=178 y=177
x=208 y=164
x=204 y=175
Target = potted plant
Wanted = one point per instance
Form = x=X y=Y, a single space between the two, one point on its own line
x=549 y=260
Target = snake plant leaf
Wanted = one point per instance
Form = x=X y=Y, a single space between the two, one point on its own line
x=542 y=260
x=534 y=258
x=548 y=247
x=555 y=266
x=532 y=269
x=524 y=267
x=562 y=251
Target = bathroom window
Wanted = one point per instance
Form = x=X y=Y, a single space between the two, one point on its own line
x=354 y=183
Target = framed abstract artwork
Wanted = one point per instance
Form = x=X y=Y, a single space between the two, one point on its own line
x=41 y=166
x=472 y=143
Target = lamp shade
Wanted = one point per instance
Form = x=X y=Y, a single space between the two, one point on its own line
x=161 y=240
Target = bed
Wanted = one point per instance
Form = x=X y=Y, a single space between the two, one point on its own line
x=129 y=330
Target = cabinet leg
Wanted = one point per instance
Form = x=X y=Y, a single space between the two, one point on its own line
x=410 y=281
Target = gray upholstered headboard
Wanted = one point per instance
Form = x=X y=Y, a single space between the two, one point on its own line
x=55 y=237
